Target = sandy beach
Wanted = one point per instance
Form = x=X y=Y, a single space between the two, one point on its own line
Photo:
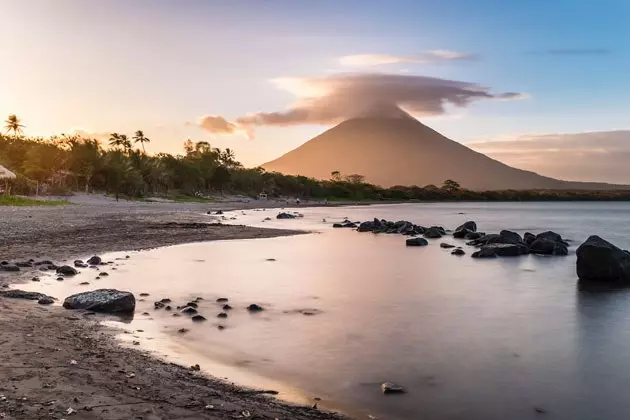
x=61 y=363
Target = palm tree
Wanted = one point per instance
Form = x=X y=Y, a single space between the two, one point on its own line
x=115 y=140
x=140 y=138
x=13 y=124
x=125 y=143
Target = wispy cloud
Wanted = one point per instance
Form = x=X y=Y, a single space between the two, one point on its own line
x=600 y=155
x=433 y=56
x=331 y=99
x=574 y=51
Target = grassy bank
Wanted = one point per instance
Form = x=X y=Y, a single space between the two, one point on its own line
x=13 y=200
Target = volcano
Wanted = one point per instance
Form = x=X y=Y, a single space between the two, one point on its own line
x=397 y=149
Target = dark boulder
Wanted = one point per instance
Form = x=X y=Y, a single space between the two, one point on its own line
x=432 y=233
x=222 y=299
x=473 y=235
x=600 y=261
x=544 y=246
x=285 y=216
x=345 y=225
x=528 y=238
x=222 y=315
x=416 y=242
x=458 y=251
x=226 y=307
x=66 y=270
x=505 y=250
x=255 y=308
x=469 y=225
x=198 y=318
x=552 y=236
x=462 y=233
x=95 y=260
x=509 y=237
x=102 y=300
x=189 y=310
x=24 y=264
x=446 y=246
x=366 y=227
x=484 y=253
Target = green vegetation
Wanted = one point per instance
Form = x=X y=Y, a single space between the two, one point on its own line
x=64 y=164
x=13 y=200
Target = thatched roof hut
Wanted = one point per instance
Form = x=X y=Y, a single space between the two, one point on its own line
x=6 y=174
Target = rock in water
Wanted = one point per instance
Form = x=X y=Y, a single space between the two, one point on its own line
x=433 y=233
x=548 y=247
x=66 y=270
x=446 y=246
x=600 y=261
x=392 y=388
x=469 y=225
x=198 y=318
x=285 y=216
x=189 y=310
x=102 y=300
x=529 y=238
x=255 y=308
x=484 y=253
x=95 y=260
x=458 y=251
x=505 y=250
x=416 y=242
x=509 y=237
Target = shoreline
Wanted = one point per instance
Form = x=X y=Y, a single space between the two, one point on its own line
x=110 y=380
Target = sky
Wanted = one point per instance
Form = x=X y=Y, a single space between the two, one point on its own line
x=540 y=84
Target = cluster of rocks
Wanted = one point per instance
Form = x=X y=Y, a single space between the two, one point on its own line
x=192 y=308
x=510 y=244
x=401 y=227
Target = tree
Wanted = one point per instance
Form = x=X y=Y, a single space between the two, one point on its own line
x=220 y=178
x=140 y=138
x=13 y=124
x=115 y=140
x=355 y=179
x=335 y=176
x=451 y=186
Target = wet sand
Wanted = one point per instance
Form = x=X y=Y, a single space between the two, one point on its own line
x=60 y=363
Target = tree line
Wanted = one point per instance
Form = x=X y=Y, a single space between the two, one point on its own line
x=72 y=163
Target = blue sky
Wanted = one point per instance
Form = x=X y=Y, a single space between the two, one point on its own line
x=156 y=65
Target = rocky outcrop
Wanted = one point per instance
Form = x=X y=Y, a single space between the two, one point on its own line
x=95 y=260
x=345 y=225
x=505 y=250
x=600 y=261
x=458 y=251
x=102 y=300
x=434 y=232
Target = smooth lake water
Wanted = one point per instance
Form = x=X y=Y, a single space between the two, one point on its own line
x=469 y=339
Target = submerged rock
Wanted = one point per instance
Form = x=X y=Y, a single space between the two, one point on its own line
x=458 y=251
x=392 y=388
x=416 y=242
x=102 y=300
x=544 y=246
x=446 y=246
x=222 y=315
x=600 y=261
x=189 y=310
